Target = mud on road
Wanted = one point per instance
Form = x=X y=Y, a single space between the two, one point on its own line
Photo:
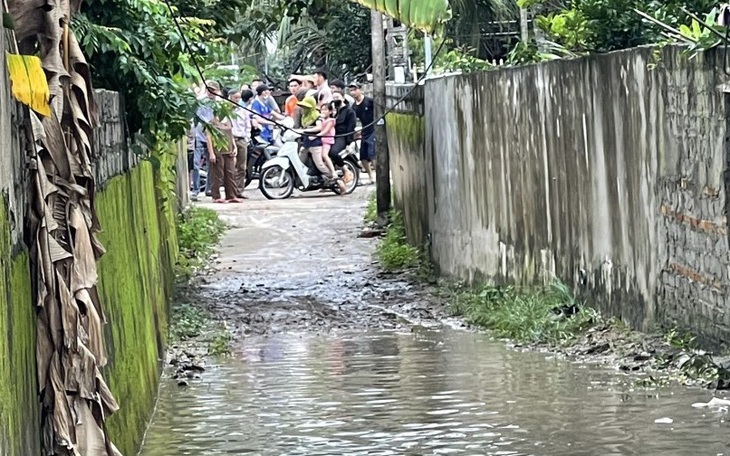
x=299 y=265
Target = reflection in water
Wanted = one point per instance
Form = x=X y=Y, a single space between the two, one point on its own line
x=427 y=392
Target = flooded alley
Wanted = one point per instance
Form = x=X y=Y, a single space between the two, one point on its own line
x=330 y=356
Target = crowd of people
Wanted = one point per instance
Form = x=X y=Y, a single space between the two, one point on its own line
x=324 y=113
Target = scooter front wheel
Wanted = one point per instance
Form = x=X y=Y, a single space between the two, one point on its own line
x=276 y=183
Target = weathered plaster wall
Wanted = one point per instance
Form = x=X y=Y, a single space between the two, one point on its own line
x=600 y=171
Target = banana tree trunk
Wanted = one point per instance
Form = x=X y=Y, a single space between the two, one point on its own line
x=75 y=399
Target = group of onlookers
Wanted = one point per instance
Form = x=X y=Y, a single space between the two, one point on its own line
x=322 y=112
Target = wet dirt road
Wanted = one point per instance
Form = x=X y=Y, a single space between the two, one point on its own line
x=321 y=364
x=299 y=264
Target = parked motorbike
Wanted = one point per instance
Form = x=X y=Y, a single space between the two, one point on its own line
x=258 y=154
x=282 y=174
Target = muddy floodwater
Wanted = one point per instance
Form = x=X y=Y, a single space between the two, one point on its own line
x=420 y=393
x=323 y=363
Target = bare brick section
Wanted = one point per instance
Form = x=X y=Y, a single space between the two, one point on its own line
x=599 y=171
x=705 y=226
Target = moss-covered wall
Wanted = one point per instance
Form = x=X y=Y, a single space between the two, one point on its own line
x=135 y=283
x=406 y=140
x=19 y=411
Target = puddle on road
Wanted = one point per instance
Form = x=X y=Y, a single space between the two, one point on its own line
x=422 y=393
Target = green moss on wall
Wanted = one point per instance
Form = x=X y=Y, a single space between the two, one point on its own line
x=19 y=411
x=406 y=129
x=135 y=277
x=406 y=142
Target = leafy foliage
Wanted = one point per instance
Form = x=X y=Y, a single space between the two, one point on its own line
x=187 y=322
x=134 y=48
x=606 y=25
x=199 y=230
x=480 y=25
x=326 y=33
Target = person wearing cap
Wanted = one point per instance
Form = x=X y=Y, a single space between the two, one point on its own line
x=364 y=108
x=290 y=106
x=264 y=113
x=270 y=101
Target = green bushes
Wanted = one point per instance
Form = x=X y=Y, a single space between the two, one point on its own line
x=532 y=315
x=199 y=230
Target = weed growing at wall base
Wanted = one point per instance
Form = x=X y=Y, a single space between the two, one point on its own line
x=394 y=252
x=371 y=211
x=547 y=315
x=199 y=231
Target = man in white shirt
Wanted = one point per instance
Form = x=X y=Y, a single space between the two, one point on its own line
x=242 y=136
x=324 y=93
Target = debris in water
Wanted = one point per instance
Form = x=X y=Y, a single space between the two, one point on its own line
x=664 y=421
x=714 y=403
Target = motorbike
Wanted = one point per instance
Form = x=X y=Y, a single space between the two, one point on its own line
x=258 y=154
x=285 y=172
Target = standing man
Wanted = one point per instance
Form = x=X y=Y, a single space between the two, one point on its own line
x=242 y=137
x=222 y=154
x=290 y=106
x=261 y=107
x=365 y=110
x=324 y=94
x=203 y=116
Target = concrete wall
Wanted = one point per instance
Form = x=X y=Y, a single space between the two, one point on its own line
x=600 y=171
x=137 y=217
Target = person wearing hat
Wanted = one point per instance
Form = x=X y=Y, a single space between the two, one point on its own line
x=222 y=156
x=364 y=108
x=310 y=84
x=312 y=140
x=264 y=113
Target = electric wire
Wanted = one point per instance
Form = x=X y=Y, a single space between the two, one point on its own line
x=274 y=122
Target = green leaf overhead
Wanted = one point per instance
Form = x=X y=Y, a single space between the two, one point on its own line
x=426 y=15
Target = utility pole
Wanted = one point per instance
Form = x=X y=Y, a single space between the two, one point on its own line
x=428 y=54
x=382 y=178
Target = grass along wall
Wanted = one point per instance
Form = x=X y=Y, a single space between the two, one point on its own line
x=135 y=286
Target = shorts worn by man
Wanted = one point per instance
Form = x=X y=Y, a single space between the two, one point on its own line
x=365 y=110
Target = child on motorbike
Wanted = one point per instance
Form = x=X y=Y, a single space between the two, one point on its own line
x=328 y=114
x=313 y=123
